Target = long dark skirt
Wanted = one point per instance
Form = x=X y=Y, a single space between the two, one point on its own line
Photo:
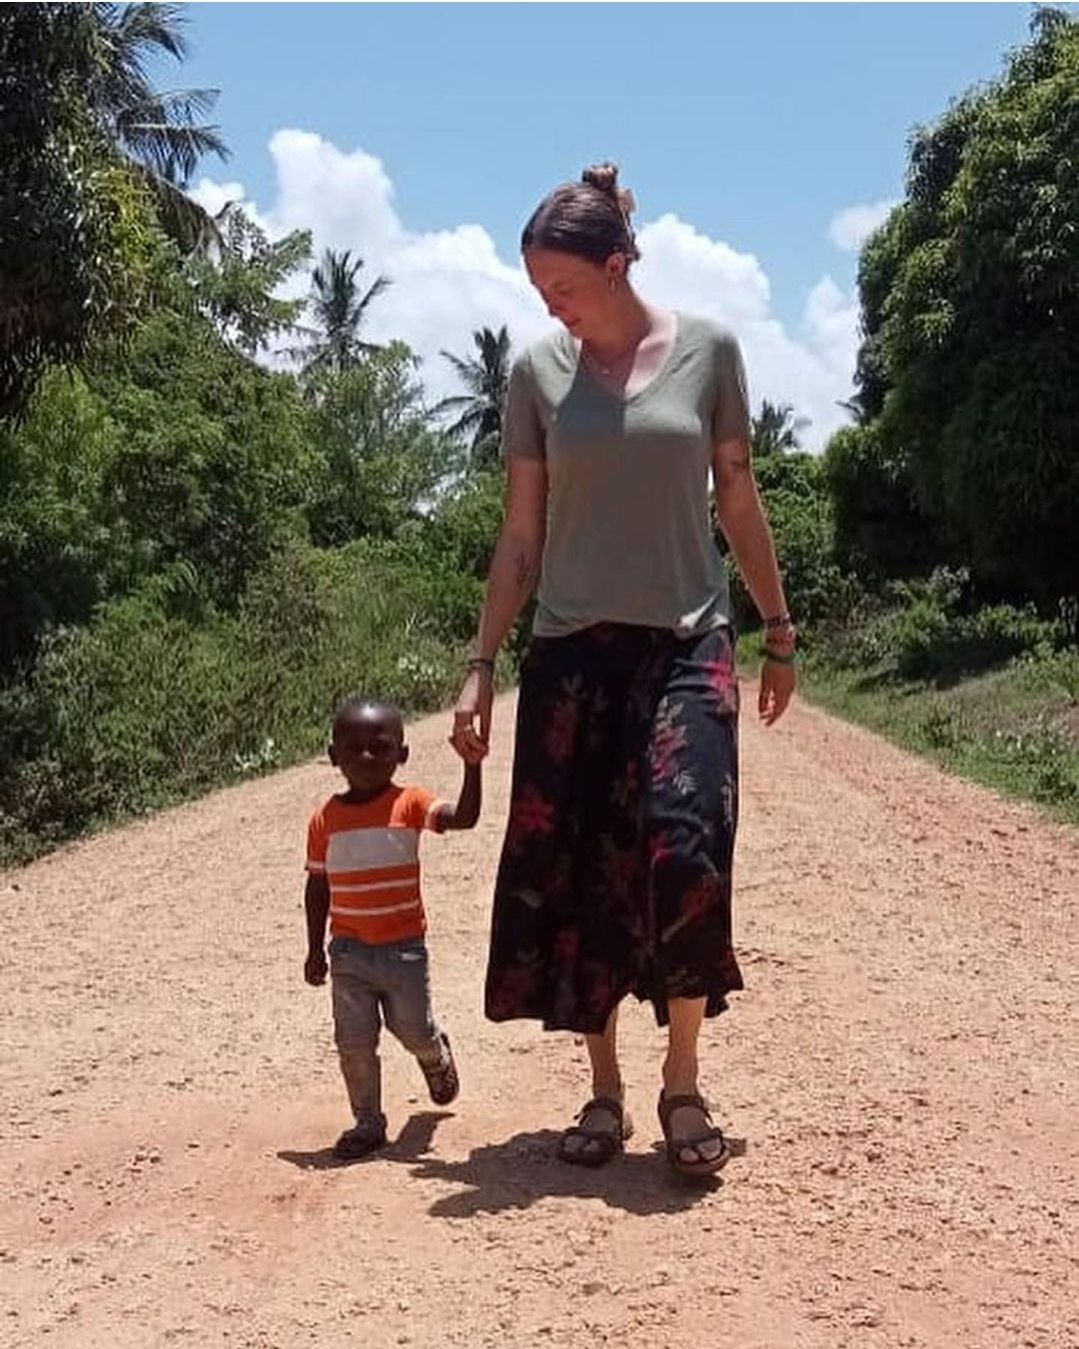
x=615 y=874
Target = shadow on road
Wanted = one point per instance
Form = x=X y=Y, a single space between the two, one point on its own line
x=516 y=1173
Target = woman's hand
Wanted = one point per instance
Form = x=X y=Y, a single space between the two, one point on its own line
x=777 y=685
x=472 y=716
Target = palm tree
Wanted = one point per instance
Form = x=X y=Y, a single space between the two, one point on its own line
x=775 y=429
x=160 y=133
x=339 y=310
x=479 y=412
x=80 y=118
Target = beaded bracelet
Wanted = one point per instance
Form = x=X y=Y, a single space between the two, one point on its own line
x=481 y=663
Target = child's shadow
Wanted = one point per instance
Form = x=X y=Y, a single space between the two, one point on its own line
x=516 y=1173
x=410 y=1144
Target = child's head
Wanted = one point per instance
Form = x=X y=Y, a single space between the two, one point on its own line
x=368 y=744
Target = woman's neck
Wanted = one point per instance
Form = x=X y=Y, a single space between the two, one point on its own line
x=627 y=324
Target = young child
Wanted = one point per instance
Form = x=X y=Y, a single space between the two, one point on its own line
x=363 y=872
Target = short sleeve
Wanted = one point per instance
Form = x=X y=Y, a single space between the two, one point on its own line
x=731 y=418
x=522 y=430
x=422 y=810
x=316 y=844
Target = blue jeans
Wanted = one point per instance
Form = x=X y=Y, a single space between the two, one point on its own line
x=373 y=985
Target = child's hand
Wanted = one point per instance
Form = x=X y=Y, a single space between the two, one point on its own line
x=314 y=968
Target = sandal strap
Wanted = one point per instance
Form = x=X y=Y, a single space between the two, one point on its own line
x=607 y=1103
x=690 y=1100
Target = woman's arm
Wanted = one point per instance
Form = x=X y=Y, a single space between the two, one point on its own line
x=515 y=568
x=742 y=519
x=515 y=565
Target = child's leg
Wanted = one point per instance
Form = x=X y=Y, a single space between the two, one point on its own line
x=407 y=1005
x=356 y=1030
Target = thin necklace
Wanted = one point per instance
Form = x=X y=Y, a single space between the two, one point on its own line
x=609 y=370
x=594 y=360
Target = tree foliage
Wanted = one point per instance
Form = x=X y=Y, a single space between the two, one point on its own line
x=92 y=155
x=339 y=306
x=775 y=429
x=970 y=305
x=477 y=414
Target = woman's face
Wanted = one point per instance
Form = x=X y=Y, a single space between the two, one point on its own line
x=577 y=293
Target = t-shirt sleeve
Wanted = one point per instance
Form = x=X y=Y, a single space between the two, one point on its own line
x=422 y=810
x=522 y=429
x=316 y=844
x=731 y=417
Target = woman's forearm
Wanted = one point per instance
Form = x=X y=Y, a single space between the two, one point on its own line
x=514 y=572
x=746 y=529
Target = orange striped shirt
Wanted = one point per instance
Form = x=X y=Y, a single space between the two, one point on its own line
x=369 y=853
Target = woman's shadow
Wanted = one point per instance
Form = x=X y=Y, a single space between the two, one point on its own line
x=524 y=1169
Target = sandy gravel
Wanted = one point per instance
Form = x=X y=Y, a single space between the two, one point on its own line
x=900 y=1079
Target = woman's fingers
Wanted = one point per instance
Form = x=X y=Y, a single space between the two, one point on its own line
x=776 y=687
x=469 y=744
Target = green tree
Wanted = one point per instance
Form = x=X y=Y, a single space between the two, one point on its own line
x=478 y=413
x=91 y=152
x=379 y=464
x=775 y=429
x=161 y=133
x=238 y=288
x=879 y=531
x=339 y=307
x=970 y=305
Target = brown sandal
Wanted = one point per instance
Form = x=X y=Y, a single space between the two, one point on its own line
x=597 y=1145
x=443 y=1084
x=702 y=1165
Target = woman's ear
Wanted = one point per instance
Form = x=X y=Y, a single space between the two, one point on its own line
x=615 y=269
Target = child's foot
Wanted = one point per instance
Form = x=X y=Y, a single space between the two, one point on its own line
x=443 y=1084
x=362 y=1139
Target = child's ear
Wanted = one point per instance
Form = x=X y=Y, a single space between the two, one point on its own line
x=402 y=756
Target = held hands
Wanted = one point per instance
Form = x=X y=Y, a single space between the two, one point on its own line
x=314 y=968
x=472 y=715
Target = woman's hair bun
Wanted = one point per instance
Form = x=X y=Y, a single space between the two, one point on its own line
x=604 y=177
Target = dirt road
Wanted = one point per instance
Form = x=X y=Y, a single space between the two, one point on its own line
x=900 y=1079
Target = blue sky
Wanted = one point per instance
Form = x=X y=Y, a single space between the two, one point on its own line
x=744 y=130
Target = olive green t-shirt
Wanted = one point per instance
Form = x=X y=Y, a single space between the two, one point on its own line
x=628 y=531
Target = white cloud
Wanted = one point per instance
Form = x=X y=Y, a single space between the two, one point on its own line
x=447 y=283
x=850 y=227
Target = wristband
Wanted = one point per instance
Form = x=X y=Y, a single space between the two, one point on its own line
x=481 y=663
x=778 y=621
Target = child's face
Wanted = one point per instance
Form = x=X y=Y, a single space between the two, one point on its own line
x=368 y=747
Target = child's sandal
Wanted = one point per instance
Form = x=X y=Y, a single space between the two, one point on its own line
x=443 y=1083
x=700 y=1165
x=360 y=1141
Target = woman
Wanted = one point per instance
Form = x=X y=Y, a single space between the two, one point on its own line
x=615 y=874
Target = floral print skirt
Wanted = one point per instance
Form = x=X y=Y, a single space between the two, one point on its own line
x=615 y=875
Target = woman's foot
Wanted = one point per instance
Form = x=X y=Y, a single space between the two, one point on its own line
x=601 y=1130
x=695 y=1143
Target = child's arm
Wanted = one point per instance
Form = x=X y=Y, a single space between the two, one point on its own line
x=316 y=902
x=467 y=810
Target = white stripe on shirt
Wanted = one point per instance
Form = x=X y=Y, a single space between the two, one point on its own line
x=364 y=849
x=374 y=913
